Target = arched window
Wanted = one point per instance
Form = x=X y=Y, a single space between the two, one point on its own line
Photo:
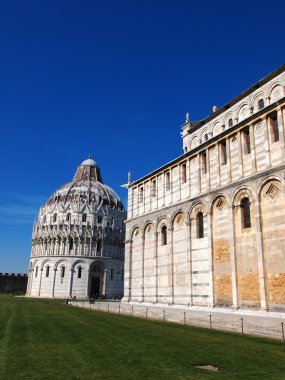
x=79 y=273
x=62 y=272
x=68 y=217
x=47 y=271
x=200 y=225
x=245 y=213
x=260 y=104
x=54 y=217
x=230 y=122
x=84 y=218
x=37 y=270
x=164 y=235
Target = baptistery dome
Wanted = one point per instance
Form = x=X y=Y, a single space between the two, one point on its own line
x=78 y=240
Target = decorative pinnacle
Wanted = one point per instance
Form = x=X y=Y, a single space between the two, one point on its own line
x=90 y=156
x=187 y=117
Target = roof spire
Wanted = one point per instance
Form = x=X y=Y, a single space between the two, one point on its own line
x=90 y=156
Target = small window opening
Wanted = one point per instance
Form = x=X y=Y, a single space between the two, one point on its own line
x=79 y=273
x=230 y=122
x=200 y=225
x=260 y=104
x=99 y=246
x=71 y=244
x=54 y=217
x=62 y=272
x=47 y=271
x=154 y=188
x=245 y=213
x=273 y=122
x=84 y=218
x=99 y=219
x=68 y=217
x=167 y=181
x=164 y=235
x=37 y=270
x=204 y=162
x=183 y=173
x=141 y=195
x=246 y=140
x=224 y=152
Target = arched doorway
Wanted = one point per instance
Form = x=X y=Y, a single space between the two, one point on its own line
x=96 y=280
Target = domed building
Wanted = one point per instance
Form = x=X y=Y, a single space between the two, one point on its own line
x=78 y=240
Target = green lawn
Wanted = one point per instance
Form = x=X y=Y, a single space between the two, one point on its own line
x=42 y=339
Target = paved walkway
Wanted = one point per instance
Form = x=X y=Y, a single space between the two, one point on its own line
x=266 y=324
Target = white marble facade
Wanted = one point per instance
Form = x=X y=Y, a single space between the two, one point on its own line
x=78 y=240
x=208 y=228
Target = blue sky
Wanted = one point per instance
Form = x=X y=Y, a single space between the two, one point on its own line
x=114 y=78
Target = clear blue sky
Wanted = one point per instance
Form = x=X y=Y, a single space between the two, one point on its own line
x=114 y=78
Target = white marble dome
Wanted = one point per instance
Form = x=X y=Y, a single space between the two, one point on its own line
x=78 y=240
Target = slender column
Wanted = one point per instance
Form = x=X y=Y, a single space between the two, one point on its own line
x=260 y=255
x=189 y=261
x=208 y=168
x=71 y=282
x=199 y=174
x=142 y=264
x=267 y=140
x=188 y=168
x=156 y=266
x=53 y=283
x=240 y=148
x=40 y=284
x=210 y=259
x=229 y=168
x=170 y=252
x=104 y=284
x=128 y=271
x=233 y=255
x=253 y=149
x=281 y=130
x=219 y=164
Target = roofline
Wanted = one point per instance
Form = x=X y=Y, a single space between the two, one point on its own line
x=258 y=115
x=235 y=100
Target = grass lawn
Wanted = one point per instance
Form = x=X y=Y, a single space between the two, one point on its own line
x=44 y=339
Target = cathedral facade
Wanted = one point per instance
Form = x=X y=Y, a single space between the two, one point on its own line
x=78 y=240
x=208 y=228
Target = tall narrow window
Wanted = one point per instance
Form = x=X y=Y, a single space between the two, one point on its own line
x=154 y=188
x=183 y=173
x=224 y=152
x=141 y=195
x=62 y=272
x=164 y=235
x=71 y=244
x=54 y=217
x=167 y=181
x=68 y=217
x=84 y=218
x=79 y=272
x=37 y=269
x=99 y=246
x=246 y=140
x=112 y=274
x=230 y=122
x=260 y=104
x=200 y=225
x=47 y=271
x=273 y=123
x=245 y=213
x=204 y=162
